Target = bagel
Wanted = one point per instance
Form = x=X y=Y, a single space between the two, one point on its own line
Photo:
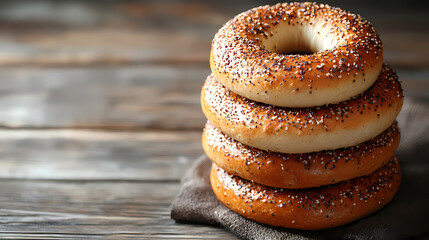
x=308 y=209
x=302 y=130
x=253 y=55
x=299 y=170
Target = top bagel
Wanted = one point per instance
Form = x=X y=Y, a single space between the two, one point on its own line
x=256 y=55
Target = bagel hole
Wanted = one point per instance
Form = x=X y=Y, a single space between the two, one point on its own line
x=298 y=40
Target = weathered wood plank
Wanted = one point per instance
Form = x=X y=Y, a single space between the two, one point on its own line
x=118 y=32
x=95 y=155
x=82 y=32
x=93 y=210
x=159 y=96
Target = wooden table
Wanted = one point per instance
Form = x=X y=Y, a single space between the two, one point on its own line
x=100 y=115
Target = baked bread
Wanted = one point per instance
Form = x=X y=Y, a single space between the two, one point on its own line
x=256 y=55
x=302 y=130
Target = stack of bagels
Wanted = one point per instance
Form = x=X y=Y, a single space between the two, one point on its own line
x=301 y=117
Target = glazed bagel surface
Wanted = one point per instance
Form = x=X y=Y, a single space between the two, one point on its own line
x=303 y=130
x=257 y=55
x=308 y=209
x=299 y=170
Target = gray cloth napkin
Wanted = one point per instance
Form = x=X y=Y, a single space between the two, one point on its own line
x=407 y=216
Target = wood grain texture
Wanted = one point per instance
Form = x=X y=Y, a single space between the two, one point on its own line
x=97 y=155
x=93 y=210
x=157 y=96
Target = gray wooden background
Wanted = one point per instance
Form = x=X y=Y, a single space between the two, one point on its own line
x=100 y=115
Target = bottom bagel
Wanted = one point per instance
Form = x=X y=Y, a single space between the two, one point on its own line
x=312 y=208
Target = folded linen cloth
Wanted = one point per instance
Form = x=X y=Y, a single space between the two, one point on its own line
x=405 y=217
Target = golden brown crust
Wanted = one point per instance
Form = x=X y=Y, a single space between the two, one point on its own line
x=308 y=209
x=299 y=170
x=301 y=130
x=242 y=62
